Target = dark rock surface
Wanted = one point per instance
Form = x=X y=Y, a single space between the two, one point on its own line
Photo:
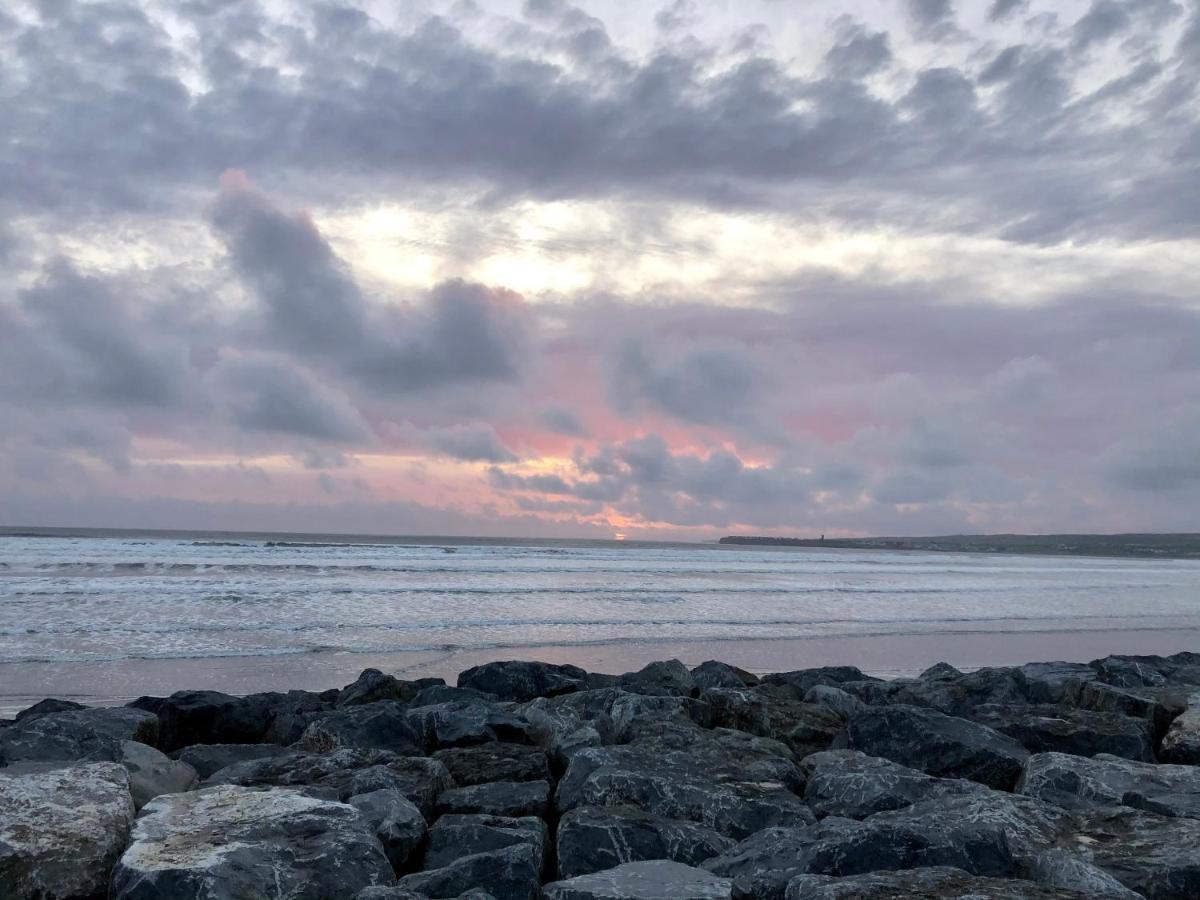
x=851 y=784
x=499 y=798
x=657 y=880
x=594 y=838
x=497 y=761
x=1074 y=782
x=209 y=758
x=233 y=842
x=936 y=744
x=932 y=883
x=662 y=783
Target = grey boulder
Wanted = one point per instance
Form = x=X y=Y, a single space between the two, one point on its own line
x=233 y=842
x=93 y=734
x=396 y=822
x=383 y=725
x=1075 y=782
x=496 y=761
x=209 y=758
x=454 y=836
x=1182 y=741
x=594 y=838
x=665 y=678
x=713 y=674
x=652 y=880
x=1153 y=855
x=932 y=883
x=500 y=798
x=936 y=744
x=463 y=723
x=62 y=831
x=521 y=681
x=510 y=873
x=1061 y=729
x=851 y=784
x=152 y=773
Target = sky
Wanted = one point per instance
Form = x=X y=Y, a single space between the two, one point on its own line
x=661 y=268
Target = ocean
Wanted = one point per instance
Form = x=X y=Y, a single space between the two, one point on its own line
x=108 y=616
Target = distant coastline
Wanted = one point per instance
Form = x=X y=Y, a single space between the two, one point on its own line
x=1148 y=546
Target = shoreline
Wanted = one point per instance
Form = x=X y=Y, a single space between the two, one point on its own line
x=888 y=656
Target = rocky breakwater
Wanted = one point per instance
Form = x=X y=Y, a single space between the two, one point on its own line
x=527 y=780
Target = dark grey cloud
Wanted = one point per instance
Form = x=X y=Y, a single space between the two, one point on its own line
x=562 y=421
x=1104 y=20
x=859 y=52
x=476 y=442
x=932 y=20
x=1001 y=10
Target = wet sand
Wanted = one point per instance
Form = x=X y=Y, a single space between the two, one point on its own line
x=22 y=684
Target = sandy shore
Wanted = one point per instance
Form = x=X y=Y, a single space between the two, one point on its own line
x=22 y=684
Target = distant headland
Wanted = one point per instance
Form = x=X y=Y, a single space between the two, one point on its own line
x=1163 y=546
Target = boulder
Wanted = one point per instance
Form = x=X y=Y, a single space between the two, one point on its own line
x=594 y=838
x=1046 y=729
x=1153 y=855
x=49 y=705
x=62 y=831
x=936 y=744
x=652 y=880
x=712 y=674
x=464 y=723
x=801 y=681
x=1076 y=782
x=734 y=787
x=763 y=864
x=240 y=842
x=835 y=700
x=444 y=693
x=636 y=715
x=1127 y=671
x=392 y=892
x=510 y=873
x=522 y=681
x=928 y=883
x=669 y=678
x=496 y=761
x=372 y=686
x=209 y=758
x=501 y=798
x=211 y=717
x=343 y=774
x=93 y=734
x=1157 y=707
x=851 y=784
x=805 y=727
x=382 y=725
x=152 y=772
x=1068 y=871
x=455 y=836
x=396 y=822
x=1182 y=741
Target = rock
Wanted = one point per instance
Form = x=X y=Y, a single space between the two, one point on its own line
x=210 y=717
x=443 y=693
x=653 y=880
x=389 y=893
x=497 y=761
x=936 y=744
x=209 y=758
x=591 y=839
x=733 y=786
x=455 y=836
x=372 y=686
x=712 y=674
x=1124 y=671
x=764 y=864
x=635 y=715
x=1075 y=782
x=802 y=681
x=1182 y=741
x=464 y=723
x=929 y=883
x=93 y=734
x=382 y=725
x=1052 y=682
x=1046 y=729
x=564 y=723
x=62 y=831
x=1065 y=870
x=940 y=670
x=669 y=678
x=152 y=772
x=835 y=700
x=502 y=798
x=510 y=873
x=1153 y=855
x=343 y=774
x=852 y=784
x=49 y=705
x=397 y=823
x=522 y=681
x=1158 y=709
x=805 y=727
x=228 y=842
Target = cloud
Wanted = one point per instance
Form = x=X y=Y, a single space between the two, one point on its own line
x=477 y=442
x=562 y=421
x=1000 y=10
x=859 y=51
x=932 y=20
